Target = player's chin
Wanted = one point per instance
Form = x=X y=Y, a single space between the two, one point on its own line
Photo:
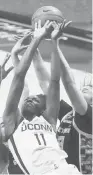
x=28 y=109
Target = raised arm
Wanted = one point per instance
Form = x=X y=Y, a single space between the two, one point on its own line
x=9 y=116
x=17 y=49
x=76 y=96
x=18 y=81
x=42 y=73
x=78 y=101
x=53 y=94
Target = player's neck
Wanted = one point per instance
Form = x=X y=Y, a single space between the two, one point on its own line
x=30 y=118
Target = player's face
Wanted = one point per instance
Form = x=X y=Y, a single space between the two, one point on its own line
x=33 y=105
x=88 y=93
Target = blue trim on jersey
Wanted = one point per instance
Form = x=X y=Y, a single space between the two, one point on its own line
x=17 y=154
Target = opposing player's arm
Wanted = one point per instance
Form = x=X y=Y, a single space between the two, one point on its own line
x=75 y=95
x=16 y=88
x=3 y=72
x=53 y=94
x=79 y=103
x=42 y=73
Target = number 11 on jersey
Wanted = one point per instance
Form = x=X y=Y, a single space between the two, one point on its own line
x=40 y=139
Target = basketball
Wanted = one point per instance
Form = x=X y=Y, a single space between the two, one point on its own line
x=47 y=13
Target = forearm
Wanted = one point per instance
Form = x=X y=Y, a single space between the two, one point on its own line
x=14 y=95
x=40 y=68
x=53 y=95
x=25 y=92
x=28 y=56
x=15 y=59
x=42 y=73
x=24 y=95
x=10 y=119
x=66 y=72
x=0 y=76
x=75 y=95
x=55 y=63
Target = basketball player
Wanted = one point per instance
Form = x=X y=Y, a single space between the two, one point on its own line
x=36 y=149
x=19 y=47
x=67 y=135
x=43 y=76
x=77 y=132
x=5 y=155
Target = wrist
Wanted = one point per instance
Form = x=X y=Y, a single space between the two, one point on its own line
x=36 y=40
x=54 y=39
x=54 y=43
x=40 y=35
x=14 y=53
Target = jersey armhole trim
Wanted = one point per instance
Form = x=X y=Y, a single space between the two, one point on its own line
x=18 y=155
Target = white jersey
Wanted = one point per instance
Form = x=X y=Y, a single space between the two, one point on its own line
x=34 y=143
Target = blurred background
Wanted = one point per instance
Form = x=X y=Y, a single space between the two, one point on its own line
x=77 y=48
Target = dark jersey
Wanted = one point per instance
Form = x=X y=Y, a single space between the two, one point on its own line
x=64 y=109
x=75 y=137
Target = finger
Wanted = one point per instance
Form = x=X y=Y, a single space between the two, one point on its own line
x=36 y=25
x=21 y=35
x=54 y=24
x=60 y=27
x=17 y=38
x=46 y=23
x=27 y=35
x=39 y=24
x=8 y=55
x=50 y=24
x=21 y=40
x=63 y=38
x=9 y=70
x=68 y=23
x=24 y=47
x=63 y=24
